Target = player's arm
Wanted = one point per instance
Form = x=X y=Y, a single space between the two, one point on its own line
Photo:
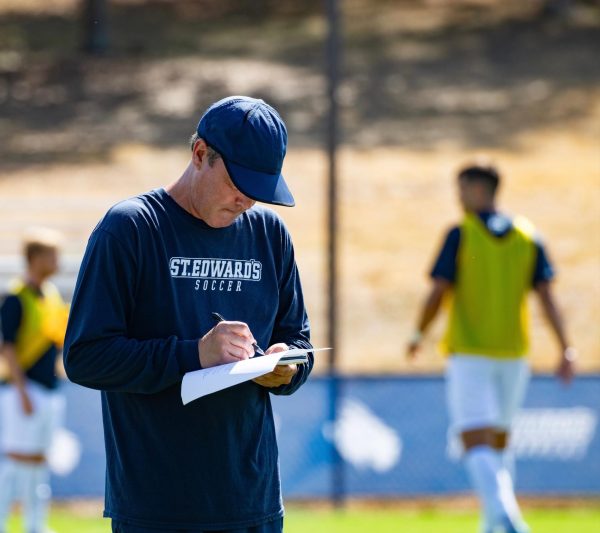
x=11 y=315
x=442 y=276
x=98 y=352
x=566 y=368
x=17 y=376
x=543 y=275
x=429 y=311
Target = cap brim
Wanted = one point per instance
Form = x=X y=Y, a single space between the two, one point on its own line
x=267 y=188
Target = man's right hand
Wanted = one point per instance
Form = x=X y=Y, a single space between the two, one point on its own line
x=227 y=342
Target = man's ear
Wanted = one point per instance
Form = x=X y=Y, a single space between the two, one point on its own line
x=199 y=153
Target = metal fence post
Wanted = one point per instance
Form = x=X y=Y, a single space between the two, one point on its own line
x=333 y=61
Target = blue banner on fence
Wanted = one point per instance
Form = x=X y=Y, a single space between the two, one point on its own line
x=392 y=435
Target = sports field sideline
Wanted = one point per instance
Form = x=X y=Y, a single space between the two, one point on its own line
x=579 y=518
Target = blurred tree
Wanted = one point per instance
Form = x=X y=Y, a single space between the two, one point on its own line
x=557 y=8
x=95 y=23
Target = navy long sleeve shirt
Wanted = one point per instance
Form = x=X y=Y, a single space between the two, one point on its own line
x=150 y=278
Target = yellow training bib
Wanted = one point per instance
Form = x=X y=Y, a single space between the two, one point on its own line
x=43 y=322
x=488 y=304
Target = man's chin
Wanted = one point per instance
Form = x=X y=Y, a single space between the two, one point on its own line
x=224 y=220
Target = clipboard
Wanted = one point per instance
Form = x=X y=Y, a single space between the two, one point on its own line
x=209 y=380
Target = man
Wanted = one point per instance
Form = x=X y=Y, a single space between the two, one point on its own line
x=486 y=267
x=33 y=327
x=155 y=269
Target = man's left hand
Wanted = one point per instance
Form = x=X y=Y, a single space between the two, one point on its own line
x=282 y=374
x=566 y=367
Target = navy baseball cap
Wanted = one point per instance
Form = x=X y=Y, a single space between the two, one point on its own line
x=252 y=139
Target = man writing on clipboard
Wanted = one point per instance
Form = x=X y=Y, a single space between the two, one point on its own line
x=155 y=269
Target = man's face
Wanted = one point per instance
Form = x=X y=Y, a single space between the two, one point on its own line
x=474 y=195
x=214 y=197
x=44 y=263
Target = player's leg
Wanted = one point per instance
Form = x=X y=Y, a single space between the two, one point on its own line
x=512 y=380
x=473 y=411
x=505 y=452
x=28 y=450
x=482 y=465
x=512 y=386
x=9 y=412
x=36 y=496
x=7 y=489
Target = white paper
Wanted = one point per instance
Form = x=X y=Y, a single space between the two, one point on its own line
x=208 y=380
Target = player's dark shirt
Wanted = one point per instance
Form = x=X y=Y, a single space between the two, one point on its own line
x=150 y=278
x=43 y=371
x=499 y=225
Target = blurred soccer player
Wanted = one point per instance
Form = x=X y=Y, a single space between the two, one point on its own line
x=34 y=320
x=486 y=267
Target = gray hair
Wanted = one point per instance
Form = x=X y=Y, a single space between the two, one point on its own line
x=212 y=154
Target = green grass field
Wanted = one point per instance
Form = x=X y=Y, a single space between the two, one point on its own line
x=303 y=520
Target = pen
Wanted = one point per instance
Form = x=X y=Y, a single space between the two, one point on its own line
x=220 y=318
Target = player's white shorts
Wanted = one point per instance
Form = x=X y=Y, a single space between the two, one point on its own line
x=31 y=434
x=484 y=391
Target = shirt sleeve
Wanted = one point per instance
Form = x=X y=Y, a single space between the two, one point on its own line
x=445 y=264
x=98 y=352
x=11 y=313
x=291 y=324
x=543 y=271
